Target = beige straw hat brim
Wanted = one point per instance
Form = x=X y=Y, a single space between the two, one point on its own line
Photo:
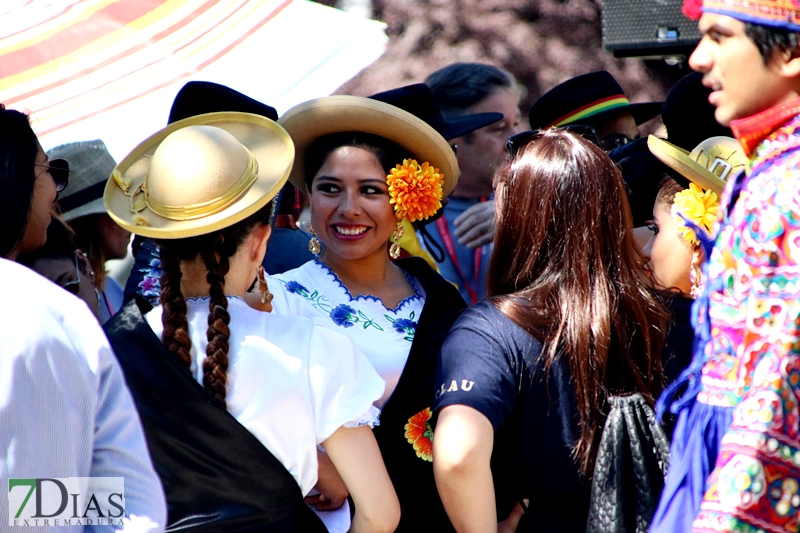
x=270 y=145
x=311 y=120
x=678 y=159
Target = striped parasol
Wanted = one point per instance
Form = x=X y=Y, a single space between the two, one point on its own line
x=110 y=68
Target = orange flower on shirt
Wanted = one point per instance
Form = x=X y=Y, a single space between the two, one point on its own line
x=420 y=434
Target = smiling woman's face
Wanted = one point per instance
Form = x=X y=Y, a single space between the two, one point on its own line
x=670 y=256
x=44 y=194
x=350 y=209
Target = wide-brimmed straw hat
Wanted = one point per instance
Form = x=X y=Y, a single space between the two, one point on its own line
x=90 y=165
x=709 y=165
x=335 y=114
x=199 y=175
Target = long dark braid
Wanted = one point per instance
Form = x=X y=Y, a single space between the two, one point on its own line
x=215 y=366
x=216 y=250
x=176 y=327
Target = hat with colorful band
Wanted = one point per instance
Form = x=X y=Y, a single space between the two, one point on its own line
x=784 y=14
x=587 y=99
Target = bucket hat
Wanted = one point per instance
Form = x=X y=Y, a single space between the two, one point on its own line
x=90 y=165
x=199 y=175
x=587 y=99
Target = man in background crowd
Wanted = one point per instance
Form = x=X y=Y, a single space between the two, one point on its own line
x=467 y=227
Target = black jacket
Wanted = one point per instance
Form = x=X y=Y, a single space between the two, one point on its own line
x=421 y=508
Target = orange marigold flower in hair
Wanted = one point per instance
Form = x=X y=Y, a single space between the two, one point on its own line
x=415 y=190
x=420 y=434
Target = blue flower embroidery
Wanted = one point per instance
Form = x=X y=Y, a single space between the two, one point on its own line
x=403 y=325
x=343 y=315
x=296 y=288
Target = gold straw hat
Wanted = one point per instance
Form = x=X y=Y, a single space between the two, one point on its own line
x=199 y=175
x=311 y=120
x=709 y=165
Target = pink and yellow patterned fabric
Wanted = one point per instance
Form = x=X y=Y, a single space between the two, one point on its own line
x=752 y=361
x=775 y=13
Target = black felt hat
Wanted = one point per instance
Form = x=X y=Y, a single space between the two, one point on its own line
x=418 y=100
x=587 y=99
x=642 y=172
x=201 y=97
x=688 y=116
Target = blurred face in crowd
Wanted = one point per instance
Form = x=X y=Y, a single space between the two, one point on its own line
x=481 y=152
x=670 y=256
x=72 y=274
x=114 y=238
x=350 y=209
x=620 y=128
x=44 y=194
x=742 y=84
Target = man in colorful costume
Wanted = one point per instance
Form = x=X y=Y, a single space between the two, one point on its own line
x=735 y=458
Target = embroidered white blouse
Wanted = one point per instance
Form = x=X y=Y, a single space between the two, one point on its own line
x=384 y=335
x=291 y=382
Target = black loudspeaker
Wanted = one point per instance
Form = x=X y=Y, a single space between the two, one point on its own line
x=651 y=28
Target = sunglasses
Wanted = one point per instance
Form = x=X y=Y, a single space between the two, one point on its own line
x=75 y=285
x=59 y=170
x=515 y=142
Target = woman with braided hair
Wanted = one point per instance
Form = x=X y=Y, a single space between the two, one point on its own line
x=235 y=400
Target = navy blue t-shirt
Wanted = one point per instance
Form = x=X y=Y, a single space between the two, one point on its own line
x=494 y=366
x=491 y=364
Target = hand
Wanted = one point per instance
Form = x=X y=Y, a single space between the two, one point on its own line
x=333 y=491
x=509 y=525
x=475 y=226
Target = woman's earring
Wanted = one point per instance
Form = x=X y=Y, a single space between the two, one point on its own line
x=263 y=288
x=313 y=245
x=696 y=274
x=397 y=234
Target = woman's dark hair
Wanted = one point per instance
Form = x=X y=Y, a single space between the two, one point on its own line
x=89 y=240
x=565 y=268
x=215 y=249
x=388 y=153
x=18 y=149
x=667 y=190
x=771 y=41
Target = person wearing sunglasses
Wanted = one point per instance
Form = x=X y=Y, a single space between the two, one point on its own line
x=62 y=262
x=525 y=375
x=29 y=185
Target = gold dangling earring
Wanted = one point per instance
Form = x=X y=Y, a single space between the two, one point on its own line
x=313 y=245
x=263 y=288
x=397 y=234
x=696 y=274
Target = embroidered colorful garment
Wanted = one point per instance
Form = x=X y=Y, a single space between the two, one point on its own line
x=745 y=417
x=383 y=334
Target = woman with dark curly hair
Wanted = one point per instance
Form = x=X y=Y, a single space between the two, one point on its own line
x=525 y=376
x=235 y=401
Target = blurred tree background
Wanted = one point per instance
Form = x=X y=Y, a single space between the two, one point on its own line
x=542 y=42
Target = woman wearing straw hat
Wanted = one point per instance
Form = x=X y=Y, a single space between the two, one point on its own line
x=366 y=166
x=674 y=249
x=235 y=401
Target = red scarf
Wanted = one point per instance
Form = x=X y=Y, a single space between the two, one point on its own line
x=750 y=131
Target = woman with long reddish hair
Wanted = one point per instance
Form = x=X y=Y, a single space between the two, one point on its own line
x=525 y=375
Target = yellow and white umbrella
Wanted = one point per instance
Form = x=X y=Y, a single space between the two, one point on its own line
x=110 y=69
